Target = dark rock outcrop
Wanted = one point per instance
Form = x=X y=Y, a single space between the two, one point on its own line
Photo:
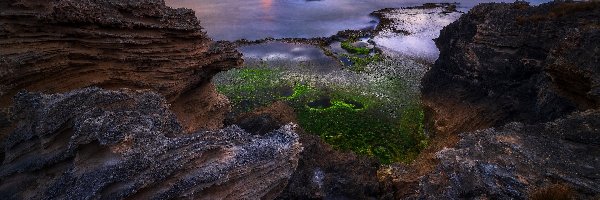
x=140 y=142
x=513 y=104
x=327 y=173
x=101 y=144
x=513 y=62
x=513 y=161
x=58 y=46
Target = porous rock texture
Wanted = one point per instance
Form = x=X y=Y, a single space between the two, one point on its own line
x=513 y=106
x=516 y=160
x=513 y=62
x=137 y=131
x=61 y=45
x=101 y=144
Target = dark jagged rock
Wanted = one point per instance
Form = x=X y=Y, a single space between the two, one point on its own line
x=326 y=173
x=512 y=62
x=513 y=161
x=100 y=144
x=58 y=46
x=530 y=72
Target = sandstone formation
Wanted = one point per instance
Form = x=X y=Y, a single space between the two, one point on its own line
x=102 y=144
x=58 y=46
x=513 y=62
x=140 y=139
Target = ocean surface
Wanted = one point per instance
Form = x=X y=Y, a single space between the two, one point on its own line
x=257 y=19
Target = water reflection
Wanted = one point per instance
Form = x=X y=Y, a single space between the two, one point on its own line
x=266 y=5
x=256 y=19
x=266 y=8
x=284 y=54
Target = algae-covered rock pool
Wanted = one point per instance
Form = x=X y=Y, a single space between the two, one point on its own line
x=373 y=111
x=358 y=90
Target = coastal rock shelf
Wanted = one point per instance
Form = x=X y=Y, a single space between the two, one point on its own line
x=410 y=31
x=102 y=144
x=513 y=101
x=513 y=62
x=119 y=99
x=58 y=46
x=139 y=139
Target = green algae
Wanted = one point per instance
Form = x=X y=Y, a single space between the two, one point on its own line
x=389 y=128
x=359 y=63
x=366 y=131
x=250 y=88
x=347 y=45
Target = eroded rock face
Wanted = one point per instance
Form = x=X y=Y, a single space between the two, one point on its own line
x=530 y=72
x=511 y=62
x=139 y=142
x=95 y=143
x=58 y=46
x=512 y=161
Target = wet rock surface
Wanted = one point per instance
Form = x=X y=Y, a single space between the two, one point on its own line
x=513 y=62
x=58 y=46
x=101 y=144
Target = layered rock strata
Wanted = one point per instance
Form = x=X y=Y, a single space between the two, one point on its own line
x=514 y=62
x=513 y=106
x=101 y=144
x=140 y=139
x=58 y=46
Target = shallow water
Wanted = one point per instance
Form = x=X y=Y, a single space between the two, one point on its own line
x=256 y=19
x=274 y=51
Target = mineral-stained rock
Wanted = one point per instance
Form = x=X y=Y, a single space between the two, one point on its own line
x=102 y=144
x=515 y=160
x=513 y=62
x=58 y=46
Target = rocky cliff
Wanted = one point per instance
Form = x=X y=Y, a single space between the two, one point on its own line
x=513 y=106
x=57 y=46
x=134 y=132
x=513 y=62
